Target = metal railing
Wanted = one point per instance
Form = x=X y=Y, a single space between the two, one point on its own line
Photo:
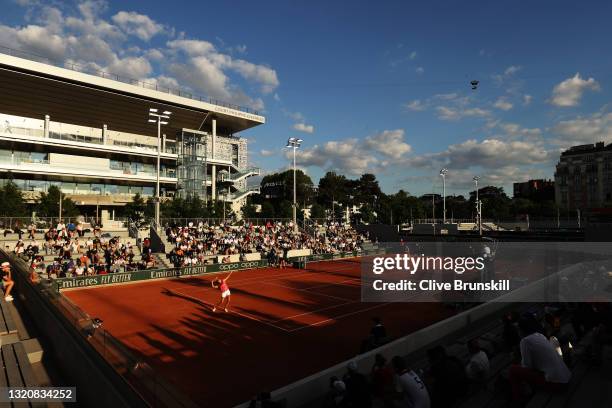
x=42 y=223
x=131 y=81
x=219 y=221
x=254 y=171
x=237 y=195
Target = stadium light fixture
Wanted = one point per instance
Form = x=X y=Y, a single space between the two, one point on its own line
x=443 y=173
x=478 y=206
x=294 y=143
x=160 y=119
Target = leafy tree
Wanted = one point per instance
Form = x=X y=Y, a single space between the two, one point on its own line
x=401 y=207
x=285 y=209
x=249 y=211
x=280 y=186
x=48 y=205
x=333 y=187
x=267 y=210
x=317 y=211
x=135 y=210
x=13 y=204
x=367 y=190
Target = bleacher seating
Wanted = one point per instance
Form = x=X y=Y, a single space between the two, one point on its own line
x=15 y=367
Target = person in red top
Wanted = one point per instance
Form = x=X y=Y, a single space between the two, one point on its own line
x=225 y=292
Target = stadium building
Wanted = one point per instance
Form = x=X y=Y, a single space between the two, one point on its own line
x=89 y=134
x=583 y=177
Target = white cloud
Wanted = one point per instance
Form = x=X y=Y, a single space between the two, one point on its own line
x=569 y=92
x=192 y=47
x=503 y=104
x=527 y=99
x=262 y=74
x=201 y=74
x=415 y=105
x=419 y=70
x=297 y=116
x=446 y=97
x=457 y=113
x=266 y=153
x=136 y=24
x=488 y=153
x=511 y=70
x=36 y=39
x=302 y=127
x=507 y=74
x=583 y=130
x=413 y=55
x=357 y=156
x=389 y=143
x=131 y=67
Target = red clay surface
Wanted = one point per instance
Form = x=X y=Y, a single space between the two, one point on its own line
x=283 y=325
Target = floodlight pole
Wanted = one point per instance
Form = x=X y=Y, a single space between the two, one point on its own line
x=294 y=143
x=158 y=171
x=443 y=173
x=478 y=207
x=157 y=117
x=294 y=191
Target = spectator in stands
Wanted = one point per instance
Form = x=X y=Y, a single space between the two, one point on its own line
x=377 y=337
x=541 y=366
x=413 y=390
x=510 y=332
x=263 y=400
x=7 y=281
x=357 y=389
x=31 y=231
x=602 y=332
x=447 y=377
x=381 y=378
x=80 y=230
x=337 y=393
x=477 y=368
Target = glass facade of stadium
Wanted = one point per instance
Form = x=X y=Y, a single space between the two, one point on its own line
x=90 y=136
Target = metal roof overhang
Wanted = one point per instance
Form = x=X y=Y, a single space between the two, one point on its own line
x=33 y=89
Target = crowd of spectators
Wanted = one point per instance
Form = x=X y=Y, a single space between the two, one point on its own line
x=541 y=356
x=76 y=255
x=200 y=243
x=192 y=244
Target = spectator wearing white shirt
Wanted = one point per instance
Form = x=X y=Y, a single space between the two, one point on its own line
x=414 y=392
x=477 y=368
x=541 y=366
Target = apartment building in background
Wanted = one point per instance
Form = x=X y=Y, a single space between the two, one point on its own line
x=583 y=177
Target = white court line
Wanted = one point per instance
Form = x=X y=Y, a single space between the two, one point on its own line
x=246 y=316
x=337 y=317
x=315 y=311
x=307 y=291
x=332 y=284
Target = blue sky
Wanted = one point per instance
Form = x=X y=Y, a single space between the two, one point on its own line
x=379 y=87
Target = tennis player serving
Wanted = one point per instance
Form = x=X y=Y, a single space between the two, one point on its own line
x=225 y=293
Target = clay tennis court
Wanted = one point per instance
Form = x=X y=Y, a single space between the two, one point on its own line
x=283 y=325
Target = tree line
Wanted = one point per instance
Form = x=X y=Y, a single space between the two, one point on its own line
x=329 y=198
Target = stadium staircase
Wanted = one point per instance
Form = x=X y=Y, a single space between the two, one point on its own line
x=240 y=194
x=225 y=177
